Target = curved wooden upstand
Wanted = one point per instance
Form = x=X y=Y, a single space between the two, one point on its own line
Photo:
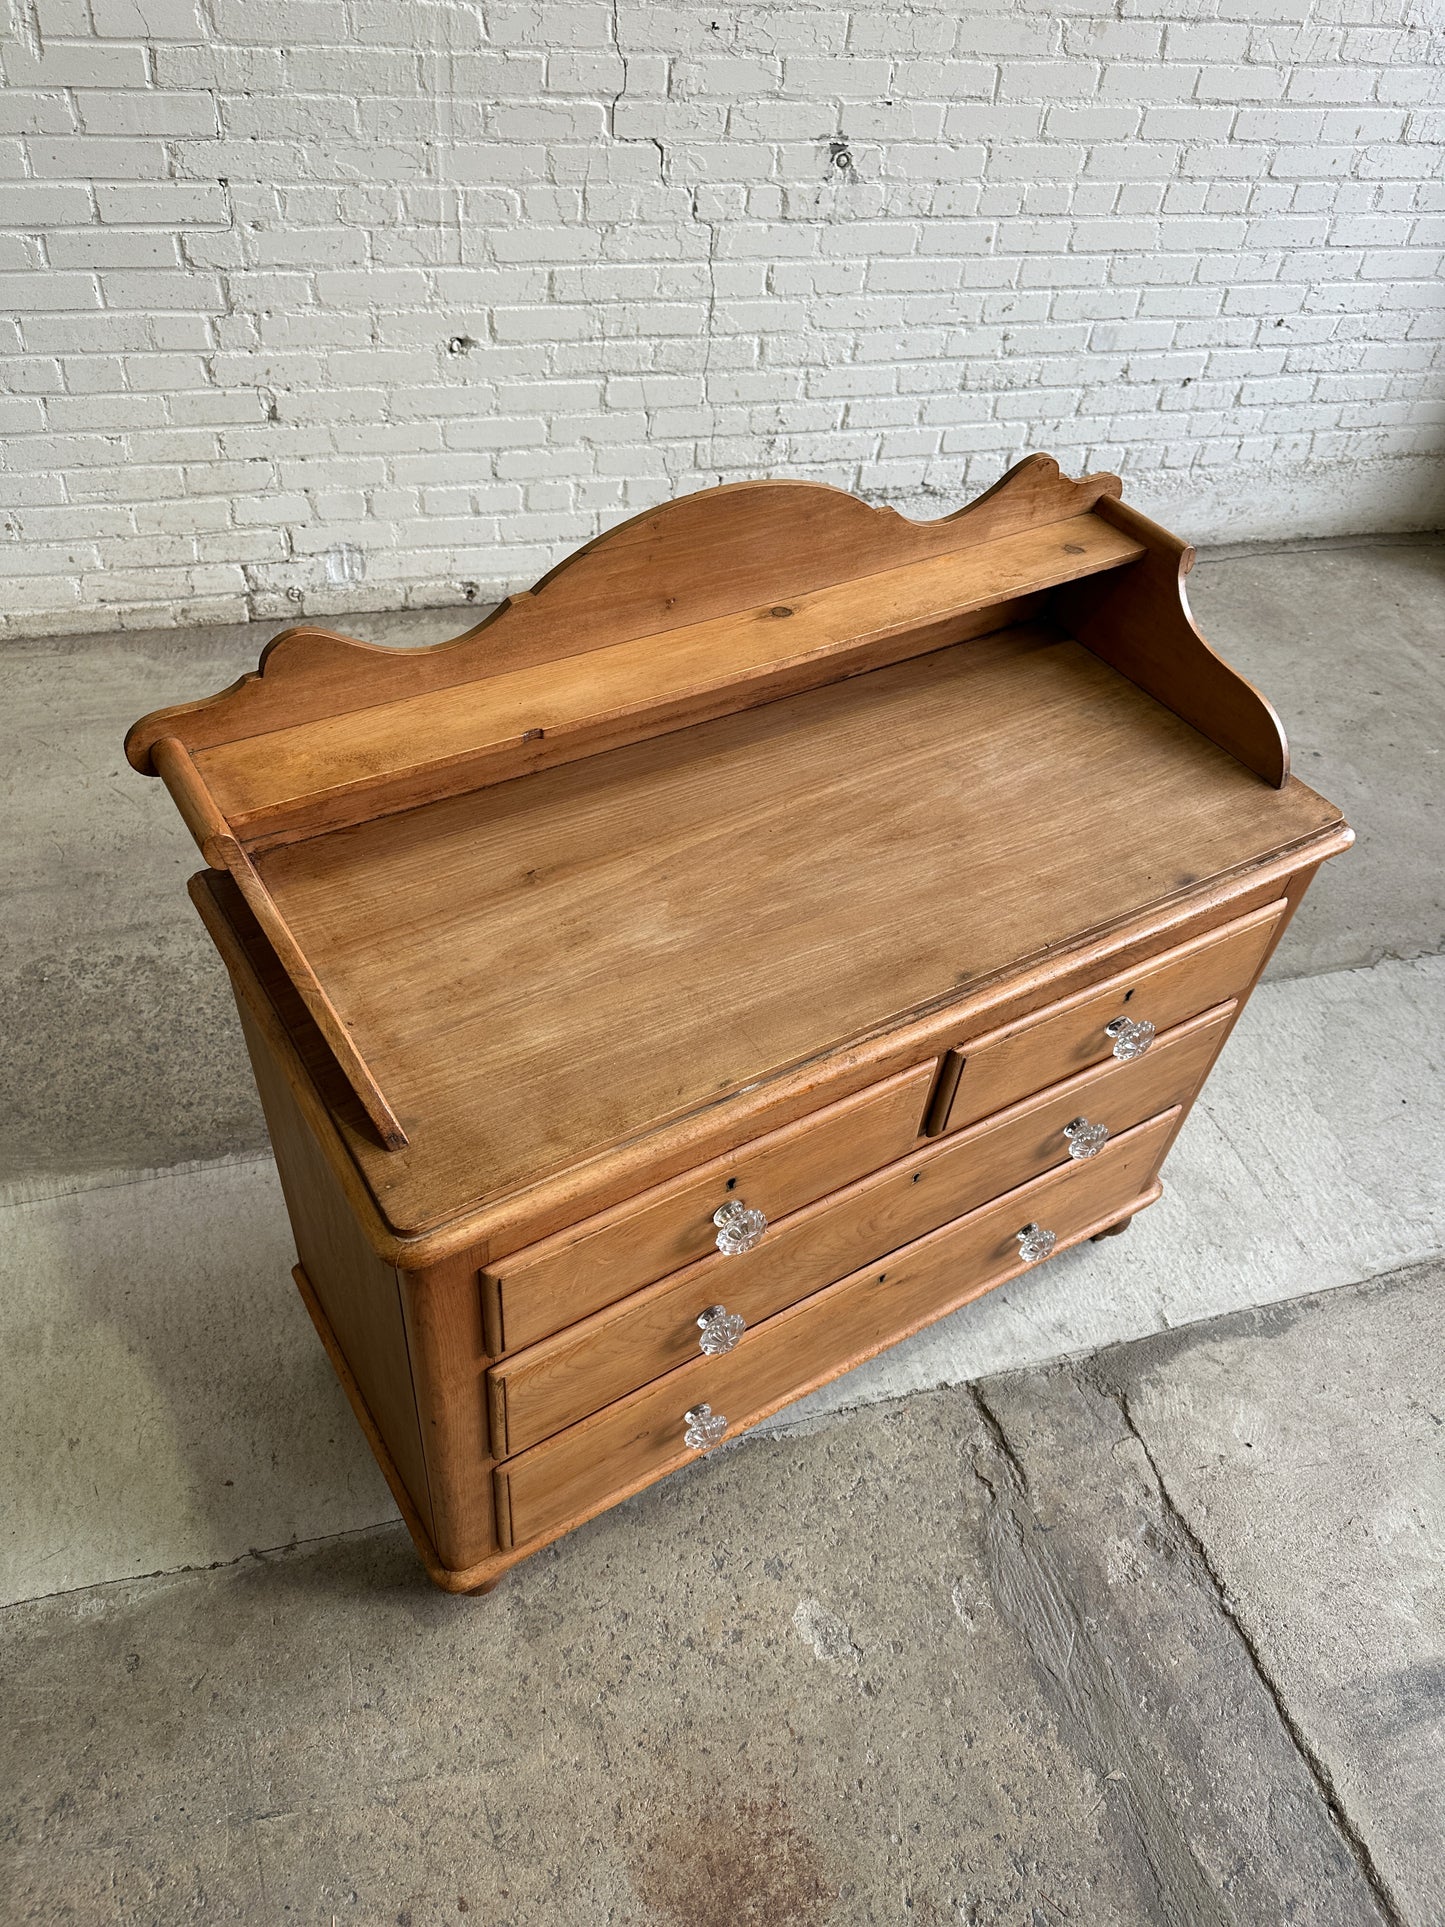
x=782 y=924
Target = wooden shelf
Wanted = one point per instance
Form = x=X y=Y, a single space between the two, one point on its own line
x=318 y=774
x=369 y=762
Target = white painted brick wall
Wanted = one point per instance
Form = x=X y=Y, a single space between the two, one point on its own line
x=442 y=287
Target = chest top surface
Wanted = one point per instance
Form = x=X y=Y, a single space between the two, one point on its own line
x=734 y=847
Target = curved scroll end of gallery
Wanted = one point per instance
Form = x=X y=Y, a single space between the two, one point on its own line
x=1239 y=716
x=1039 y=491
x=297 y=678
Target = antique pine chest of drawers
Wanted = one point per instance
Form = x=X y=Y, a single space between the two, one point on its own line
x=781 y=925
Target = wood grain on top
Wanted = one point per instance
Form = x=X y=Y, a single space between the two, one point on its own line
x=736 y=597
x=558 y=964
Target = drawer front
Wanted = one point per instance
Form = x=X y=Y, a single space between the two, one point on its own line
x=1004 y=1065
x=640 y=1438
x=561 y=1279
x=577 y=1371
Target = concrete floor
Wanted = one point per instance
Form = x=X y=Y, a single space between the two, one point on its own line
x=1155 y=1636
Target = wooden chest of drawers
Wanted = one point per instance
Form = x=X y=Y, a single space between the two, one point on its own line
x=783 y=924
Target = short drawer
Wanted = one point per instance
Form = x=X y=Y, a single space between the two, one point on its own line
x=553 y=1283
x=1004 y=1065
x=639 y=1439
x=539 y=1391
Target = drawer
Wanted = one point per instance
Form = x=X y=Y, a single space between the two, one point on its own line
x=641 y=1437
x=1004 y=1065
x=577 y=1371
x=562 y=1278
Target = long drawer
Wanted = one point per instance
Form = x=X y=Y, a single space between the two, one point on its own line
x=998 y=1068
x=646 y=1435
x=562 y=1278
x=550 y=1385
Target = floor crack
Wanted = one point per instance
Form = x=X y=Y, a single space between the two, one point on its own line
x=1038 y=1597
x=998 y=1438
x=1314 y=1765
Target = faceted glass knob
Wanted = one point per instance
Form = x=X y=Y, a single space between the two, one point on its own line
x=721 y=1329
x=739 y=1227
x=1086 y=1140
x=1130 y=1039
x=704 y=1428
x=1035 y=1243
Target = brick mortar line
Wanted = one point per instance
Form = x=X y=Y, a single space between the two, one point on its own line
x=1195 y=248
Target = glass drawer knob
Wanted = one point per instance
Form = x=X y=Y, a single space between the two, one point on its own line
x=704 y=1428
x=1035 y=1243
x=721 y=1329
x=1086 y=1140
x=739 y=1227
x=1130 y=1039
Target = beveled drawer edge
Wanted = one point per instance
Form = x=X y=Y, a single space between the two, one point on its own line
x=925 y=1152
x=686 y=1456
x=490 y=1285
x=1171 y=1114
x=502 y=1510
x=952 y=1060
x=495 y=1390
